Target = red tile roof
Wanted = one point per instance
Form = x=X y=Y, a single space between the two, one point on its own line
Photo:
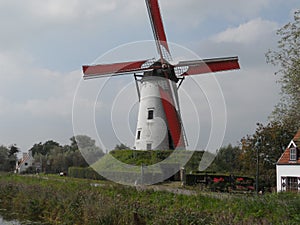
x=285 y=157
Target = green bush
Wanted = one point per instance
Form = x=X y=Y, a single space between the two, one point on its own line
x=84 y=172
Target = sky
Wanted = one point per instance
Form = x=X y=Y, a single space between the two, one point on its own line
x=43 y=45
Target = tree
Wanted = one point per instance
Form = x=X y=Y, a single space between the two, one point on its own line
x=13 y=149
x=8 y=158
x=75 y=158
x=12 y=156
x=45 y=148
x=266 y=145
x=82 y=141
x=73 y=146
x=4 y=160
x=287 y=58
x=121 y=147
x=88 y=149
x=55 y=158
x=228 y=160
x=37 y=149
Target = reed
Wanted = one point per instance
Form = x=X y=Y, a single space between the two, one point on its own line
x=54 y=200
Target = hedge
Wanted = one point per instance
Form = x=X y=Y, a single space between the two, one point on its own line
x=87 y=173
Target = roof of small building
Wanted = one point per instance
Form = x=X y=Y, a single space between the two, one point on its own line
x=285 y=157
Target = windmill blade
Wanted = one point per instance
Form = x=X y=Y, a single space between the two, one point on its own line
x=173 y=120
x=207 y=65
x=158 y=30
x=102 y=70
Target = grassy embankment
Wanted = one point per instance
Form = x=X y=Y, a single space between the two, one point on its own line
x=75 y=201
x=136 y=167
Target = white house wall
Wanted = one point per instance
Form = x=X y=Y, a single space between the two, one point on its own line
x=286 y=171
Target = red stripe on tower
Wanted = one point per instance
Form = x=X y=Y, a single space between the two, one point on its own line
x=173 y=120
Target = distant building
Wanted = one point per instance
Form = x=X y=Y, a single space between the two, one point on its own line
x=288 y=167
x=25 y=162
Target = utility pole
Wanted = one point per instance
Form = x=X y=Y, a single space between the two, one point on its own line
x=257 y=147
x=257 y=169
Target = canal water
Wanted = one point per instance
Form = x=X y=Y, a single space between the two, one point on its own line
x=7 y=218
x=8 y=222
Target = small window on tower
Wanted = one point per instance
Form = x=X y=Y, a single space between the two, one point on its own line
x=138 y=135
x=150 y=114
x=293 y=154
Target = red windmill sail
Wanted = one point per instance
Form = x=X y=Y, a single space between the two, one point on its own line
x=158 y=29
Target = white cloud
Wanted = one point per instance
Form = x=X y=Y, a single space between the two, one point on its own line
x=13 y=64
x=250 y=32
x=23 y=22
x=193 y=12
x=68 y=11
x=34 y=13
x=26 y=88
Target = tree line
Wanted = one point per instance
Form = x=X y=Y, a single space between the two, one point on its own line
x=52 y=157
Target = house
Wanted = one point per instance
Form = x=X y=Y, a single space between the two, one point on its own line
x=288 y=167
x=25 y=162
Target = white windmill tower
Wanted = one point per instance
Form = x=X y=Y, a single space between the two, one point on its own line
x=159 y=125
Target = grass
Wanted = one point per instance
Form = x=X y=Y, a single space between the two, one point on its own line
x=75 y=201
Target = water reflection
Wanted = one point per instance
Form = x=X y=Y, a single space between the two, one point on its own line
x=9 y=218
x=8 y=222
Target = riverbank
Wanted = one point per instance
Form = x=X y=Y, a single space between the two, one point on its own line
x=65 y=200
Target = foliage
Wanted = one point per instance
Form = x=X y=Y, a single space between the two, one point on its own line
x=87 y=173
x=287 y=58
x=75 y=201
x=4 y=161
x=44 y=149
x=228 y=160
x=8 y=157
x=121 y=147
x=55 y=158
x=266 y=144
x=88 y=149
x=58 y=159
x=83 y=141
x=13 y=150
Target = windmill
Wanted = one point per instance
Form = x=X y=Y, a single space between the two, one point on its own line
x=159 y=124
